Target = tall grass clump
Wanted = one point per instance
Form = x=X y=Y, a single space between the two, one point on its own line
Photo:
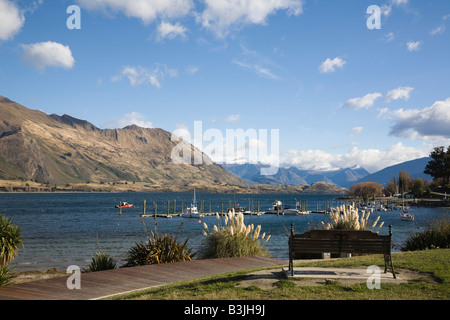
x=159 y=248
x=436 y=235
x=10 y=241
x=101 y=261
x=348 y=218
x=234 y=238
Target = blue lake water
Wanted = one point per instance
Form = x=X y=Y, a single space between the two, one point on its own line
x=63 y=229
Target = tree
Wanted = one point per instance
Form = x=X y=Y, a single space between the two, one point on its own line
x=418 y=187
x=366 y=190
x=404 y=181
x=439 y=167
x=392 y=186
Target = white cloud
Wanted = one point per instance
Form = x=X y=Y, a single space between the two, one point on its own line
x=413 y=45
x=370 y=159
x=386 y=9
x=130 y=119
x=257 y=63
x=399 y=2
x=48 y=54
x=256 y=68
x=426 y=123
x=390 y=37
x=191 y=70
x=140 y=75
x=171 y=31
x=437 y=30
x=221 y=15
x=364 y=102
x=399 y=93
x=11 y=20
x=145 y=10
x=233 y=118
x=329 y=65
x=356 y=131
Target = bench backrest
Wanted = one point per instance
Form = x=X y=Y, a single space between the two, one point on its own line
x=340 y=241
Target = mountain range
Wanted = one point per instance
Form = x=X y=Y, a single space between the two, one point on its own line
x=59 y=150
x=292 y=176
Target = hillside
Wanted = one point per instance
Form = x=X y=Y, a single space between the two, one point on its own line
x=414 y=167
x=54 y=149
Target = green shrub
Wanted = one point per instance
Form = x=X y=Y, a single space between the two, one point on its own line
x=5 y=276
x=158 y=249
x=101 y=261
x=234 y=239
x=10 y=240
x=435 y=235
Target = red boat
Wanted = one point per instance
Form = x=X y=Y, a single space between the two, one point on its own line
x=124 y=205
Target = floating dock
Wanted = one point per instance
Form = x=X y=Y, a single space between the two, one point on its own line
x=172 y=210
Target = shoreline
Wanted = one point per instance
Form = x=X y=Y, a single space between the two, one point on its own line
x=35 y=275
x=19 y=186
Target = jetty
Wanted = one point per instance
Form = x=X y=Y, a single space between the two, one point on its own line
x=171 y=209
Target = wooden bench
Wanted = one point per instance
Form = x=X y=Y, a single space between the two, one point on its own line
x=340 y=241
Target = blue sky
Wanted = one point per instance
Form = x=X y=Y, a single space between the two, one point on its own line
x=340 y=94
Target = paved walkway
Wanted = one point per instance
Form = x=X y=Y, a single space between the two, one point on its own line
x=97 y=285
x=362 y=273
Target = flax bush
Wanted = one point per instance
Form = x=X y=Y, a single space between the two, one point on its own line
x=348 y=218
x=158 y=249
x=10 y=241
x=101 y=261
x=436 y=235
x=5 y=276
x=234 y=238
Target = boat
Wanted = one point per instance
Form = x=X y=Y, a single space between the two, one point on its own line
x=192 y=211
x=406 y=216
x=405 y=213
x=124 y=205
x=277 y=207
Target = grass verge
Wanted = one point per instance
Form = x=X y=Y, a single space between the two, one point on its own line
x=435 y=284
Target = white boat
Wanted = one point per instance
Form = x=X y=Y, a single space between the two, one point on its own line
x=192 y=211
x=277 y=207
x=406 y=216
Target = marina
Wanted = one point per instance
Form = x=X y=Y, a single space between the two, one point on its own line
x=63 y=229
x=278 y=207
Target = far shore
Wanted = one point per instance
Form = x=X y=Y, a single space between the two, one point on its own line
x=144 y=187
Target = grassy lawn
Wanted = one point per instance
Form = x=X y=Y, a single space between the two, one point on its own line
x=434 y=285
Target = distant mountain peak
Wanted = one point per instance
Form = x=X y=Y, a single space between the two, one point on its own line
x=294 y=176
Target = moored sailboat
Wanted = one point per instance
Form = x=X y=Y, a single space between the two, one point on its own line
x=192 y=210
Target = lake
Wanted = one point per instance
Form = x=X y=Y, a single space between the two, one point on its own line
x=63 y=229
